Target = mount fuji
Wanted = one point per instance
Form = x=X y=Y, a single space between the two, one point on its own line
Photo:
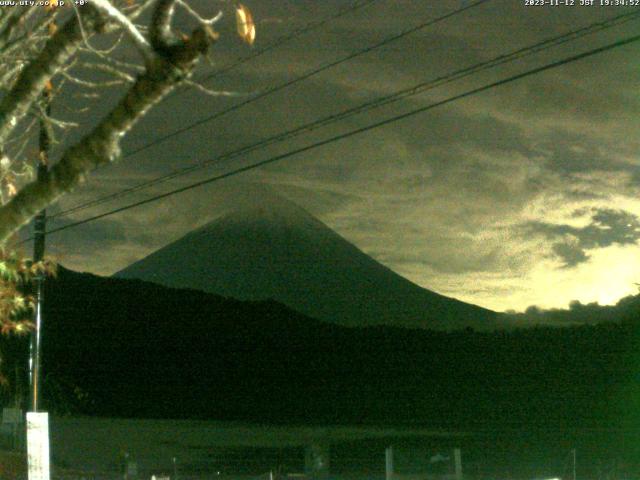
x=270 y=248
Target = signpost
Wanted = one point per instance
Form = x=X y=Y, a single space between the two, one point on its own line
x=38 y=445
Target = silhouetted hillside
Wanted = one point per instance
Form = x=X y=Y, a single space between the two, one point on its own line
x=626 y=310
x=129 y=348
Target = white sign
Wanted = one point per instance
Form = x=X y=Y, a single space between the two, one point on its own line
x=38 y=445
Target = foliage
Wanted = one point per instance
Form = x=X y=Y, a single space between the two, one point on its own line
x=17 y=305
x=17 y=275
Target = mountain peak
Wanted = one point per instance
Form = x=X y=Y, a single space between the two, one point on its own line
x=267 y=247
x=263 y=205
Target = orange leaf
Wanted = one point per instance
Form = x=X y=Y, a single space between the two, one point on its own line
x=244 y=23
x=11 y=189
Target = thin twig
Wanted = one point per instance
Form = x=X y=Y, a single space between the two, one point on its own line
x=106 y=8
x=203 y=21
x=90 y=84
x=210 y=92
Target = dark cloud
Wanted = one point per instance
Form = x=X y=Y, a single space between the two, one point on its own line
x=575 y=194
x=570 y=153
x=607 y=227
x=75 y=248
x=571 y=253
x=95 y=234
x=575 y=100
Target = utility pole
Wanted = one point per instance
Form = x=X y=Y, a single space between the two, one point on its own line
x=37 y=422
x=40 y=223
x=38 y=458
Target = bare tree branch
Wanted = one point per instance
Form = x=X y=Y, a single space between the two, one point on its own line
x=111 y=71
x=170 y=66
x=210 y=92
x=13 y=20
x=29 y=31
x=33 y=78
x=106 y=8
x=201 y=20
x=134 y=11
x=160 y=32
x=90 y=84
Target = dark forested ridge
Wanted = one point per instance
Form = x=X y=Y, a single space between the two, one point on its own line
x=134 y=349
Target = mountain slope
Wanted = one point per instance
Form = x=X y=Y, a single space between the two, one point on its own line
x=276 y=250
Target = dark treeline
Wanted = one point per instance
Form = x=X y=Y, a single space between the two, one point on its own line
x=134 y=349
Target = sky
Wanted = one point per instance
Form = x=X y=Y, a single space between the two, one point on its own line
x=526 y=194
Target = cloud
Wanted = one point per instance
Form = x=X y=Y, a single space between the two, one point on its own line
x=607 y=227
x=478 y=199
x=571 y=253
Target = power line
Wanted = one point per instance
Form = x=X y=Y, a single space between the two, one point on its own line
x=310 y=26
x=416 y=89
x=307 y=75
x=342 y=136
x=282 y=86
